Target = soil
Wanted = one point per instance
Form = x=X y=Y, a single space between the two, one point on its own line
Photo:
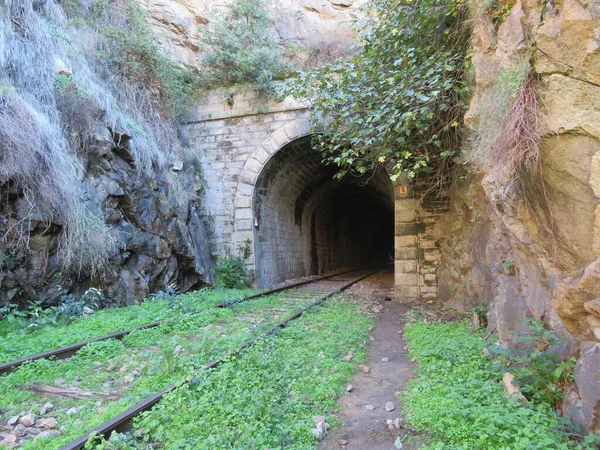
x=361 y=428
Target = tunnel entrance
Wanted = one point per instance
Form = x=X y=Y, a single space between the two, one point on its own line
x=307 y=223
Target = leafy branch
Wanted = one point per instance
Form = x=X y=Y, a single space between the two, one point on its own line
x=399 y=103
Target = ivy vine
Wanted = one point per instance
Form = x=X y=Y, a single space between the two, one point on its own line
x=398 y=102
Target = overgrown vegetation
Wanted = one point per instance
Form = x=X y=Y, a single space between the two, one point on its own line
x=73 y=75
x=459 y=401
x=398 y=103
x=539 y=372
x=21 y=338
x=179 y=349
x=230 y=271
x=273 y=389
x=242 y=47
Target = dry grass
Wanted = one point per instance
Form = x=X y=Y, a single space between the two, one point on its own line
x=517 y=148
x=494 y=104
x=47 y=121
x=35 y=155
x=88 y=244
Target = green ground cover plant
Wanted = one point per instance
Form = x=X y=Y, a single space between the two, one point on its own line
x=457 y=399
x=120 y=373
x=267 y=396
x=14 y=344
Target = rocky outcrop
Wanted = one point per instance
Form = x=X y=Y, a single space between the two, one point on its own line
x=531 y=248
x=310 y=31
x=160 y=237
x=95 y=185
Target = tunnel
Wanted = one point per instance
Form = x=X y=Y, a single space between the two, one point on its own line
x=307 y=223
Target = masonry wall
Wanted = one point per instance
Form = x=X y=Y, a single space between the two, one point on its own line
x=417 y=250
x=233 y=136
x=249 y=199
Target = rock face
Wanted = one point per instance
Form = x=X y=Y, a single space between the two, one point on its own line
x=314 y=30
x=160 y=236
x=78 y=162
x=532 y=247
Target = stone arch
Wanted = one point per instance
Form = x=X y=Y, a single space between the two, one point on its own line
x=243 y=205
x=305 y=222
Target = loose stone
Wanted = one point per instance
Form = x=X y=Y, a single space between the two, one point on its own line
x=47 y=407
x=27 y=420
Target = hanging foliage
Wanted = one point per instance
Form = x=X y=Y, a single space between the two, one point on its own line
x=399 y=102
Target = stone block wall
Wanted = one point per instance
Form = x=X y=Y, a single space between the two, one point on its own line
x=417 y=254
x=281 y=210
x=233 y=136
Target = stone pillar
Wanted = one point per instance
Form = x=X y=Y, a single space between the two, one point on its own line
x=407 y=273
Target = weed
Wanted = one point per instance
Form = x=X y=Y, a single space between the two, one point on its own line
x=230 y=271
x=72 y=306
x=538 y=370
x=169 y=357
x=499 y=13
x=455 y=398
x=172 y=290
x=481 y=310
x=509 y=266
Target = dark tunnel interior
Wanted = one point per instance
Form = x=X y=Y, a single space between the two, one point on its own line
x=307 y=222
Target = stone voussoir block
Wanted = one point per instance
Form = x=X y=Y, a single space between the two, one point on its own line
x=253 y=165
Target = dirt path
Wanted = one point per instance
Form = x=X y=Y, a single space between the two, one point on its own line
x=363 y=428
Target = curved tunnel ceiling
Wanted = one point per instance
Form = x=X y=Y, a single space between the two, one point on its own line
x=306 y=222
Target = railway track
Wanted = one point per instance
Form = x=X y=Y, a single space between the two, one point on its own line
x=70 y=350
x=250 y=321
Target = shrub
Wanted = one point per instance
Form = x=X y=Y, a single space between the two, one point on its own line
x=230 y=273
x=538 y=370
x=242 y=48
